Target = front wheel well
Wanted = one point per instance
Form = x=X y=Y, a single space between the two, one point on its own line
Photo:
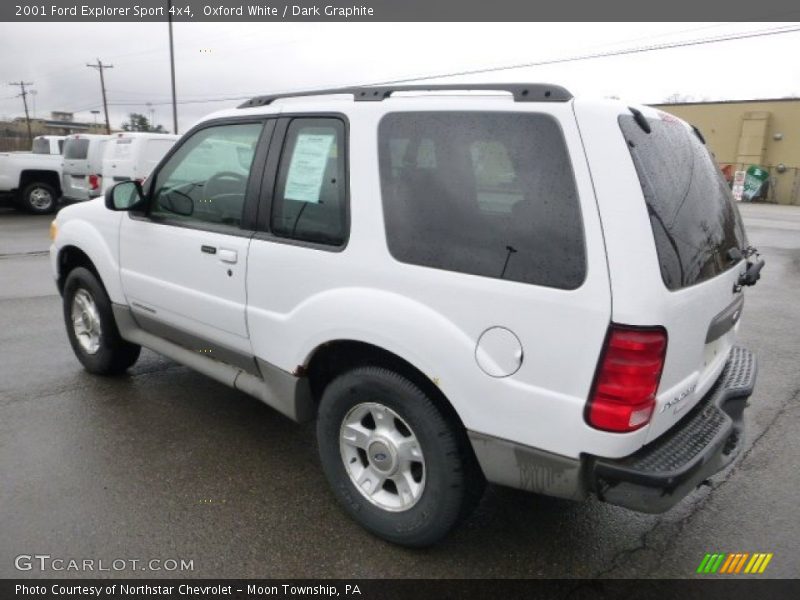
x=335 y=358
x=69 y=258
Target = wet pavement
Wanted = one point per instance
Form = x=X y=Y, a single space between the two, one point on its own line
x=166 y=464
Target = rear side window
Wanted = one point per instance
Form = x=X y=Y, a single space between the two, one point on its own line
x=76 y=149
x=310 y=201
x=490 y=194
x=693 y=216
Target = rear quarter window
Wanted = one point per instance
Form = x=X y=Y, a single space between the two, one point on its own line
x=484 y=193
x=694 y=219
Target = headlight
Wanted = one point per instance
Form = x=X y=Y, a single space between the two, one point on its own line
x=53 y=230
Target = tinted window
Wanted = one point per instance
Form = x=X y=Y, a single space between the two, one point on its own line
x=206 y=179
x=490 y=194
x=76 y=149
x=695 y=222
x=310 y=201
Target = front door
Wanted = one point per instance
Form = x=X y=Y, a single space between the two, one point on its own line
x=183 y=261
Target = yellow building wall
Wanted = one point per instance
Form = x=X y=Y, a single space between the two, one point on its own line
x=743 y=133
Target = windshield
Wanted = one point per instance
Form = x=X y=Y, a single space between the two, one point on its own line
x=694 y=219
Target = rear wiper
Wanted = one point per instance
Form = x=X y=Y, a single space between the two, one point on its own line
x=509 y=251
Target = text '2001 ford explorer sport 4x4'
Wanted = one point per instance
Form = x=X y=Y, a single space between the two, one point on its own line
x=460 y=283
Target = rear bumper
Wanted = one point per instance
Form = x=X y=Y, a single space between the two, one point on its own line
x=700 y=445
x=653 y=479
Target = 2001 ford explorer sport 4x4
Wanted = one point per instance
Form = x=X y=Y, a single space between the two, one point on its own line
x=460 y=283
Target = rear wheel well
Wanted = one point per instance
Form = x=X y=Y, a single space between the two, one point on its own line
x=71 y=257
x=48 y=177
x=335 y=358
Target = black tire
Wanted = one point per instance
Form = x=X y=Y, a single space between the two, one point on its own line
x=114 y=355
x=34 y=196
x=453 y=483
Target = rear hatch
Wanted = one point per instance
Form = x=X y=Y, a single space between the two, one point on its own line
x=94 y=167
x=118 y=160
x=74 y=177
x=674 y=241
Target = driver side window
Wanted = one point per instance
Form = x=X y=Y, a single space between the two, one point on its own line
x=206 y=179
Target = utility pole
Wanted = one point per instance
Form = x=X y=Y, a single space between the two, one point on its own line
x=100 y=66
x=24 y=95
x=172 y=69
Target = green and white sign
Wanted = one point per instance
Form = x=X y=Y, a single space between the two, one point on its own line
x=754 y=183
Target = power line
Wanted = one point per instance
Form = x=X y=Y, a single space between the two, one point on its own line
x=100 y=66
x=24 y=94
x=607 y=54
x=591 y=56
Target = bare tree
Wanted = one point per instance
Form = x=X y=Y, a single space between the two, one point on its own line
x=678 y=98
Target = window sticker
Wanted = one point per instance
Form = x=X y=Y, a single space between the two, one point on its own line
x=309 y=160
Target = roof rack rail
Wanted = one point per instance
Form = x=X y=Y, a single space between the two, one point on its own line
x=522 y=92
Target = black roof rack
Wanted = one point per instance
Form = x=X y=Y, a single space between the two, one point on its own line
x=522 y=92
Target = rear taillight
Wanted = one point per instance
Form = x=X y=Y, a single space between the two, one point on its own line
x=627 y=377
x=94 y=182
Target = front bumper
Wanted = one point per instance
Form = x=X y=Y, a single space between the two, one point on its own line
x=701 y=444
x=653 y=479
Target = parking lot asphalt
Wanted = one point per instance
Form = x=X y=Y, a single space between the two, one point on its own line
x=166 y=464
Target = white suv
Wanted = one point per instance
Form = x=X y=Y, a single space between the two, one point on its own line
x=460 y=283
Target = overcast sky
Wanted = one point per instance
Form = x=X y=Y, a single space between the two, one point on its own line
x=244 y=59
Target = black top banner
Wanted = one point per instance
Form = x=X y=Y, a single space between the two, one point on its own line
x=396 y=10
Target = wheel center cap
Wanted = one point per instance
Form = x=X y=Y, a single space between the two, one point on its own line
x=381 y=456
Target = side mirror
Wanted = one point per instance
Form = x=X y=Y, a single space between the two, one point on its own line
x=126 y=195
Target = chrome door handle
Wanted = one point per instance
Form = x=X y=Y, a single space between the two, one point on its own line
x=228 y=256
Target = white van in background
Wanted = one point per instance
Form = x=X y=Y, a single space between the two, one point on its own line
x=83 y=165
x=134 y=155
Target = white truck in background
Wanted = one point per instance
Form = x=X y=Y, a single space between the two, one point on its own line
x=81 y=173
x=33 y=179
x=133 y=155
